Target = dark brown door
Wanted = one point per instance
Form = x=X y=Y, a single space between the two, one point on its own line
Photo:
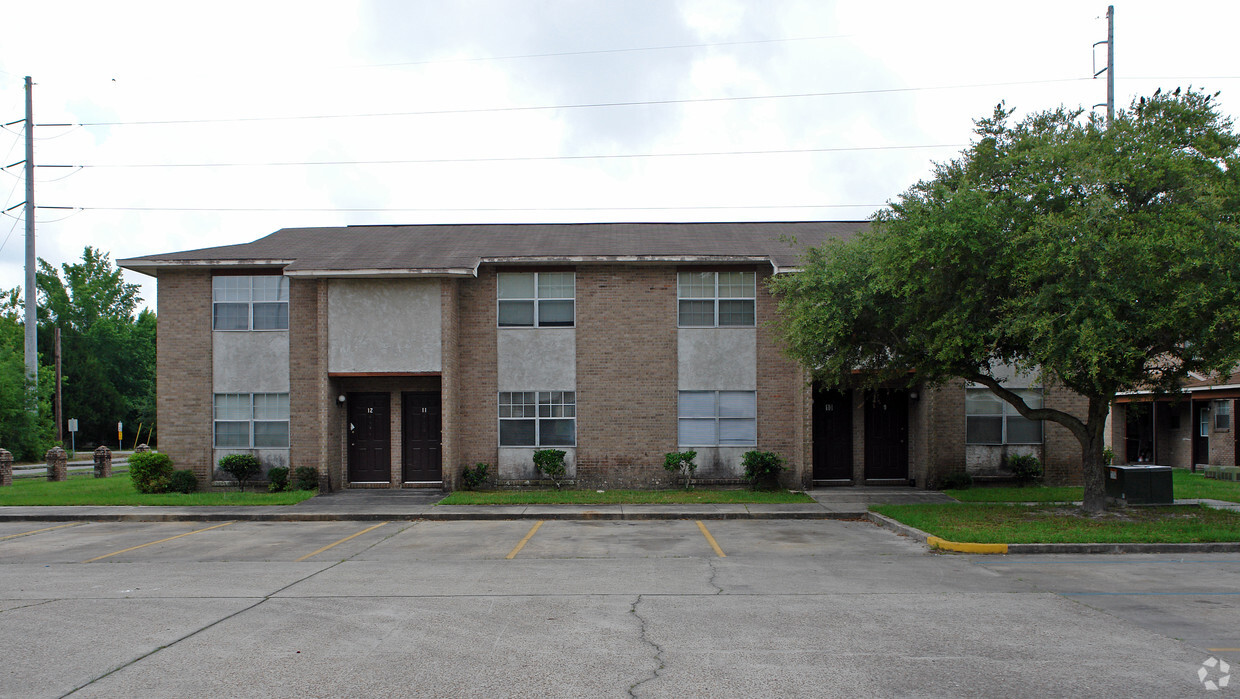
x=420 y=426
x=886 y=435
x=1201 y=433
x=370 y=438
x=832 y=435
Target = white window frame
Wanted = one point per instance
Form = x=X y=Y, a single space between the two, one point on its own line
x=222 y=294
x=717 y=416
x=1008 y=412
x=536 y=300
x=546 y=406
x=748 y=278
x=255 y=414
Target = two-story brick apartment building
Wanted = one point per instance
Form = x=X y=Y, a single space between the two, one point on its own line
x=391 y=356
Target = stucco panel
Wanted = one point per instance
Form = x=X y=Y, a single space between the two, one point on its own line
x=717 y=359
x=383 y=325
x=537 y=359
x=250 y=362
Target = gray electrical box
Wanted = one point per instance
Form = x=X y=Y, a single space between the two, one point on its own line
x=1140 y=485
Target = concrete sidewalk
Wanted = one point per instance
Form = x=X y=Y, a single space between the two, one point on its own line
x=411 y=504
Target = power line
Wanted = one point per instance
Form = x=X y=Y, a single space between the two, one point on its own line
x=584 y=105
x=530 y=158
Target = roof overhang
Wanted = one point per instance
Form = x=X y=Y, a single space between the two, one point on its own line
x=153 y=267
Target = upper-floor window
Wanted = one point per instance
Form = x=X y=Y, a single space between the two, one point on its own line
x=251 y=420
x=537 y=299
x=249 y=303
x=714 y=299
x=991 y=420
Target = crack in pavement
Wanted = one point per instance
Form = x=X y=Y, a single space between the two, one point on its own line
x=713 y=572
x=221 y=620
x=28 y=606
x=658 y=655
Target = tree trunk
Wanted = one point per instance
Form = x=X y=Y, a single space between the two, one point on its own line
x=1092 y=463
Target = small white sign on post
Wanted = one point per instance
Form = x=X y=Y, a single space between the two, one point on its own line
x=120 y=436
x=73 y=428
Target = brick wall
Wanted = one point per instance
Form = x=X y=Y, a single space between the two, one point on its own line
x=449 y=319
x=477 y=387
x=1061 y=450
x=183 y=366
x=309 y=392
x=784 y=397
x=626 y=374
x=944 y=432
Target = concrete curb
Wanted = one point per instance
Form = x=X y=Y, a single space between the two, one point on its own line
x=426 y=516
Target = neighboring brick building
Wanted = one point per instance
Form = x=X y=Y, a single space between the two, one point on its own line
x=1189 y=429
x=392 y=356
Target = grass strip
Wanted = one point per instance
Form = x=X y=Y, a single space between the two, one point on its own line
x=1050 y=524
x=1184 y=485
x=85 y=489
x=623 y=497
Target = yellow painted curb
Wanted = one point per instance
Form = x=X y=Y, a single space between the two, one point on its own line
x=965 y=547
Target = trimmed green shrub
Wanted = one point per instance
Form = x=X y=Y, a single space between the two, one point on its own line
x=1025 y=467
x=550 y=463
x=305 y=478
x=474 y=478
x=277 y=479
x=960 y=480
x=150 y=471
x=762 y=469
x=183 y=481
x=681 y=462
x=243 y=467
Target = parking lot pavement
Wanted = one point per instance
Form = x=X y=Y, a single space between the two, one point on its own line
x=572 y=608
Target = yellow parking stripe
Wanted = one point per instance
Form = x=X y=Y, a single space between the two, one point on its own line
x=36 y=531
x=351 y=536
x=711 y=540
x=131 y=548
x=512 y=554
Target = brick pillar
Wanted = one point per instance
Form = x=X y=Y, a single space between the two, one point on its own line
x=6 y=467
x=142 y=449
x=103 y=462
x=57 y=460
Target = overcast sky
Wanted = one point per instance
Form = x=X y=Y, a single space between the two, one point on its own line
x=534 y=110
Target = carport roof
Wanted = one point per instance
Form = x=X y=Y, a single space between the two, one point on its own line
x=453 y=250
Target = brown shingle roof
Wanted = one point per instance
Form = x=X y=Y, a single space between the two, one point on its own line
x=459 y=249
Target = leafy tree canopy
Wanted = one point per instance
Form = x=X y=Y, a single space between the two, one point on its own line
x=1104 y=256
x=90 y=291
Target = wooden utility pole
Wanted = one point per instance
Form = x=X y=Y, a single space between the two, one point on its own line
x=58 y=406
x=32 y=319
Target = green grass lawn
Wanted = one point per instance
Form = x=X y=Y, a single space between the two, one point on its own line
x=1043 y=524
x=1184 y=484
x=621 y=497
x=85 y=489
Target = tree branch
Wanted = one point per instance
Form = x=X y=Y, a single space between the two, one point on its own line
x=1068 y=420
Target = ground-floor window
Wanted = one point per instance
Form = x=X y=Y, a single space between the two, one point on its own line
x=718 y=418
x=251 y=420
x=537 y=418
x=991 y=420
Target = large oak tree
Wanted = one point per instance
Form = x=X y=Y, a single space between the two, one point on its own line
x=1104 y=256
